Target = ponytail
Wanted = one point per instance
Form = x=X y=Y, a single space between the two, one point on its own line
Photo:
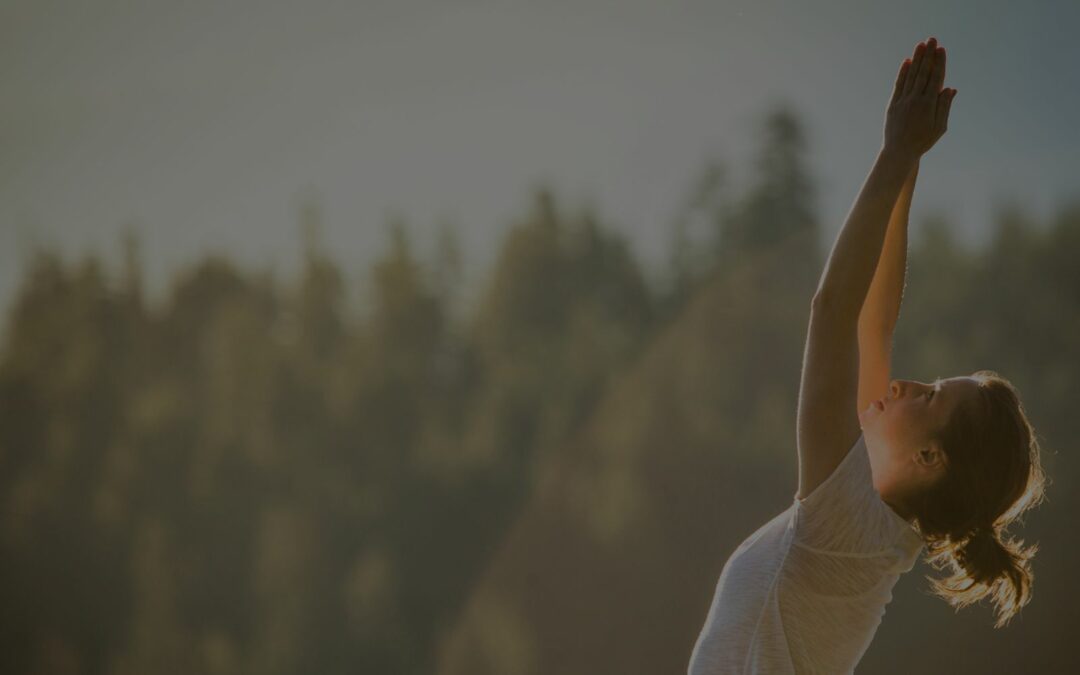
x=983 y=556
x=984 y=565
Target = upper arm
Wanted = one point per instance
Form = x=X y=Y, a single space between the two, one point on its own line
x=827 y=419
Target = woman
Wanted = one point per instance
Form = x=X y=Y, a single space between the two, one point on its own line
x=885 y=468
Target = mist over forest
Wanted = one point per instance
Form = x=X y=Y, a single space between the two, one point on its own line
x=250 y=477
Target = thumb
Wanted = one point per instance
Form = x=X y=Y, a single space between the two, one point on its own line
x=944 y=103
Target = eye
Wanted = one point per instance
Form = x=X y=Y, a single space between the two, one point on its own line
x=930 y=394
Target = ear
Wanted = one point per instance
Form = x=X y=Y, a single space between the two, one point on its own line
x=931 y=457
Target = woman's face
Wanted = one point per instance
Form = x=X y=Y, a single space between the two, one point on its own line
x=898 y=429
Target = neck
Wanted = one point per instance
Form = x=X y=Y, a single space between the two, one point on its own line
x=899 y=506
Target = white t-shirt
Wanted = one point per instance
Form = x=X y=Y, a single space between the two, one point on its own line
x=806 y=592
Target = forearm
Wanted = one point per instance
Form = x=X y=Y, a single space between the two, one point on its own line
x=881 y=309
x=850 y=267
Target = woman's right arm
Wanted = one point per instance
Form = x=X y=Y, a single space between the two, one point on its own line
x=881 y=309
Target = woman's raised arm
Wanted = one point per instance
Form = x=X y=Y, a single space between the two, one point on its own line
x=827 y=416
x=917 y=116
x=881 y=309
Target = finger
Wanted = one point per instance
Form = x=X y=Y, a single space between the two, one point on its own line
x=937 y=78
x=944 y=104
x=916 y=64
x=901 y=76
x=924 y=68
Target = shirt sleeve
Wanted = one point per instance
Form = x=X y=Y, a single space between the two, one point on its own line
x=845 y=514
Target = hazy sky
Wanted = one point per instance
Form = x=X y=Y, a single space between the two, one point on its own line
x=202 y=123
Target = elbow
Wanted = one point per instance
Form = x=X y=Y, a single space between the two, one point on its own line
x=821 y=299
x=824 y=295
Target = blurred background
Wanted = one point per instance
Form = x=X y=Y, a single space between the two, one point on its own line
x=465 y=337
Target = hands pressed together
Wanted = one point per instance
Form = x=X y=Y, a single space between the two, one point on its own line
x=918 y=112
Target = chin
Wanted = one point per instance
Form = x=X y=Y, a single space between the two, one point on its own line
x=866 y=421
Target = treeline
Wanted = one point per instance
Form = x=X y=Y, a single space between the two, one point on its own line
x=248 y=479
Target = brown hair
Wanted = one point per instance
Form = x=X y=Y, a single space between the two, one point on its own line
x=993 y=475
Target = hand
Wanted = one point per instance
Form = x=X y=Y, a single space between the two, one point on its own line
x=918 y=113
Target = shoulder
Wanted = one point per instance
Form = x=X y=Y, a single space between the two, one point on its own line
x=827 y=417
x=846 y=514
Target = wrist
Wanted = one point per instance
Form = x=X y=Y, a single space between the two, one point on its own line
x=899 y=155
